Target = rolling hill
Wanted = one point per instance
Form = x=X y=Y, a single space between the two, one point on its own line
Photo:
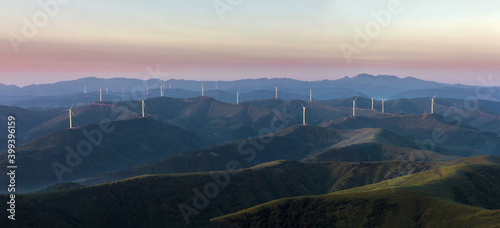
x=297 y=143
x=155 y=199
x=77 y=153
x=378 y=145
x=452 y=197
x=25 y=120
x=432 y=129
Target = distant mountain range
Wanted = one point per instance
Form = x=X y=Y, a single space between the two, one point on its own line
x=66 y=93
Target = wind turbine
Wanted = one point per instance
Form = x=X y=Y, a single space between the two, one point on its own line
x=238 y=97
x=143 y=107
x=100 y=94
x=372 y=103
x=170 y=85
x=216 y=86
x=161 y=90
x=85 y=90
x=147 y=90
x=276 y=92
x=106 y=90
x=432 y=103
x=70 y=121
x=310 y=94
x=69 y=111
x=202 y=91
x=383 y=111
x=354 y=107
x=303 y=114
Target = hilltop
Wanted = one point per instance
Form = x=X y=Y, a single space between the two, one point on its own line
x=454 y=196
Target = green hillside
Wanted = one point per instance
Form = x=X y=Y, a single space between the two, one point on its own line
x=155 y=199
x=461 y=193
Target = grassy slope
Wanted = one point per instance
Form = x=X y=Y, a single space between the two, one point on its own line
x=427 y=127
x=154 y=199
x=377 y=145
x=425 y=199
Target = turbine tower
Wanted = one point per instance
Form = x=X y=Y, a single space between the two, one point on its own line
x=276 y=97
x=161 y=90
x=383 y=111
x=354 y=107
x=143 y=106
x=170 y=85
x=85 y=90
x=70 y=122
x=432 y=103
x=106 y=90
x=372 y=103
x=202 y=91
x=147 y=90
x=100 y=94
x=216 y=86
x=310 y=94
x=303 y=114
x=238 y=97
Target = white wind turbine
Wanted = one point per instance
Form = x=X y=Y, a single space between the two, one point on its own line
x=238 y=97
x=161 y=90
x=372 y=103
x=432 y=103
x=70 y=112
x=383 y=110
x=100 y=94
x=143 y=107
x=310 y=94
x=202 y=91
x=70 y=120
x=354 y=106
x=276 y=96
x=85 y=90
x=303 y=114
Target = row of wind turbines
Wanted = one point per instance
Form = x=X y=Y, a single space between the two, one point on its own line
x=354 y=106
x=143 y=103
x=162 y=92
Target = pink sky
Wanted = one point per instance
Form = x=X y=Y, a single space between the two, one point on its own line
x=453 y=45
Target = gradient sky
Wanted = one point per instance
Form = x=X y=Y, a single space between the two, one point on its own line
x=446 y=41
